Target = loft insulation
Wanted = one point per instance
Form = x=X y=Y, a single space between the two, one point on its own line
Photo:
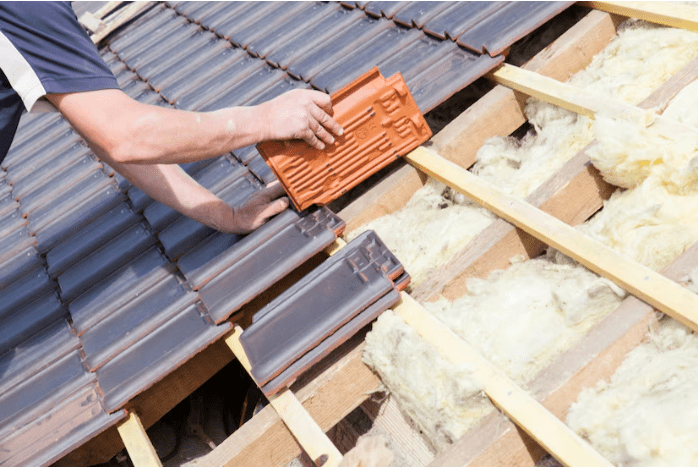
x=435 y=224
x=646 y=415
x=628 y=69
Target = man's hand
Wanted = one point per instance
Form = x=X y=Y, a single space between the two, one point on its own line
x=300 y=114
x=257 y=209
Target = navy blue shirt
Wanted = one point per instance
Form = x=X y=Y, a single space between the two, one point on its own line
x=43 y=49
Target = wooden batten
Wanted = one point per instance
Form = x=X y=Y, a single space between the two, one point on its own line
x=137 y=442
x=664 y=13
x=498 y=113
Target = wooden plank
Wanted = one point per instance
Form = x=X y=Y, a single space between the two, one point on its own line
x=644 y=283
x=308 y=434
x=137 y=443
x=499 y=112
x=497 y=442
x=329 y=392
x=548 y=431
x=664 y=13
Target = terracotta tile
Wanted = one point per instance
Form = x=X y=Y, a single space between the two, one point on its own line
x=381 y=123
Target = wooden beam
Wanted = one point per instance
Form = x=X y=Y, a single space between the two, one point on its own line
x=664 y=13
x=644 y=283
x=495 y=442
x=306 y=431
x=499 y=112
x=549 y=432
x=137 y=442
x=581 y=101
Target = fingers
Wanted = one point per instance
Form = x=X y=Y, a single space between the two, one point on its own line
x=271 y=209
x=323 y=114
x=273 y=190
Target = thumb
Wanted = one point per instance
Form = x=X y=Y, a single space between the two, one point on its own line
x=273 y=208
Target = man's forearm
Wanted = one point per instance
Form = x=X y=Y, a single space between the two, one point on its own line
x=130 y=132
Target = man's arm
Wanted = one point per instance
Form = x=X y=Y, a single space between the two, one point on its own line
x=126 y=131
x=142 y=142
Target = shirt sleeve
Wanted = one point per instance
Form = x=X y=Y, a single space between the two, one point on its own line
x=44 y=49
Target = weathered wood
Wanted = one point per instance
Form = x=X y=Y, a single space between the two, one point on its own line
x=499 y=112
x=328 y=396
x=665 y=13
x=137 y=443
x=497 y=442
x=308 y=434
x=644 y=283
x=548 y=431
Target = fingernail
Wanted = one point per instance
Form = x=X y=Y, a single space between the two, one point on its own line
x=342 y=131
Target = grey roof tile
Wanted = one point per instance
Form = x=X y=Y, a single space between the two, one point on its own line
x=385 y=9
x=181 y=83
x=104 y=261
x=62 y=163
x=388 y=43
x=118 y=289
x=244 y=90
x=219 y=83
x=270 y=253
x=232 y=9
x=316 y=33
x=128 y=325
x=418 y=13
x=21 y=292
x=41 y=392
x=192 y=60
x=186 y=46
x=337 y=47
x=90 y=238
x=143 y=41
x=200 y=11
x=20 y=264
x=318 y=305
x=36 y=352
x=453 y=72
x=29 y=320
x=291 y=26
x=185 y=233
x=155 y=356
x=460 y=17
x=261 y=169
x=60 y=181
x=245 y=22
x=10 y=219
x=73 y=422
x=33 y=159
x=508 y=25
x=14 y=241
